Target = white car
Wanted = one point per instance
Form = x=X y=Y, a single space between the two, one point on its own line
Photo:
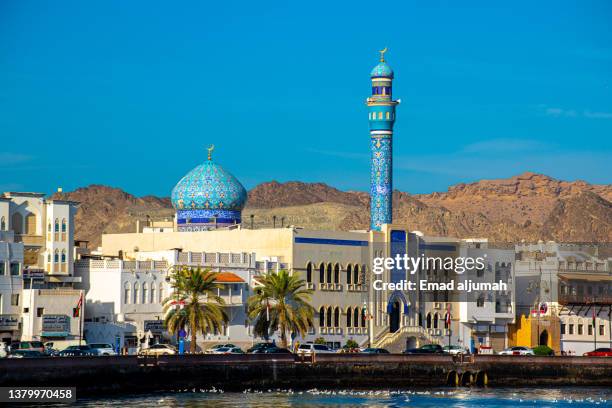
x=227 y=350
x=308 y=349
x=158 y=350
x=103 y=349
x=517 y=351
x=454 y=350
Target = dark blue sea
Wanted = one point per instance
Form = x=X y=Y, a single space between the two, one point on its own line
x=435 y=397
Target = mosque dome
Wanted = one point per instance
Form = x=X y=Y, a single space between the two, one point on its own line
x=382 y=70
x=208 y=194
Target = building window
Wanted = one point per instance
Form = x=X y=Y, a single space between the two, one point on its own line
x=328 y=319
x=145 y=293
x=309 y=272
x=329 y=273
x=14 y=269
x=349 y=317
x=126 y=293
x=571 y=329
x=356 y=275
x=580 y=329
x=64 y=225
x=15 y=299
x=63 y=256
x=321 y=316
x=601 y=330
x=337 y=317
x=349 y=271
x=429 y=320
x=2 y=224
x=563 y=328
x=480 y=301
x=56 y=256
x=57 y=228
x=152 y=292
x=136 y=293
x=363 y=320
x=337 y=273
x=590 y=330
x=388 y=116
x=2 y=268
x=322 y=273
x=40 y=311
x=356 y=316
x=379 y=115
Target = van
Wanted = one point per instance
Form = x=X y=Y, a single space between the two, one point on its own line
x=28 y=345
x=310 y=348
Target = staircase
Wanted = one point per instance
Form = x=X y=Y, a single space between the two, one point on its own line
x=396 y=342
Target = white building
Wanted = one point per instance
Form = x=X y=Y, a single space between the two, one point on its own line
x=37 y=246
x=124 y=298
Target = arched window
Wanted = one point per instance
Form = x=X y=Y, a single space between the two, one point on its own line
x=49 y=257
x=349 y=271
x=336 y=273
x=322 y=317
x=153 y=298
x=161 y=292
x=57 y=225
x=49 y=227
x=322 y=273
x=136 y=293
x=349 y=317
x=329 y=273
x=309 y=272
x=356 y=275
x=56 y=256
x=420 y=319
x=328 y=319
x=429 y=320
x=64 y=225
x=126 y=293
x=337 y=317
x=2 y=224
x=435 y=321
x=356 y=316
x=17 y=223
x=145 y=293
x=63 y=256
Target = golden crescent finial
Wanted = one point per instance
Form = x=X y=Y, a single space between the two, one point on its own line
x=382 y=54
x=210 y=150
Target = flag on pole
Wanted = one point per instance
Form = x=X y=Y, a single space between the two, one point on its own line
x=77 y=310
x=448 y=316
x=594 y=319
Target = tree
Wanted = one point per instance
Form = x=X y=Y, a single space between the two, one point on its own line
x=282 y=303
x=194 y=303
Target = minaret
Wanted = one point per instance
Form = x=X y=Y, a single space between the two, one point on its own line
x=381 y=113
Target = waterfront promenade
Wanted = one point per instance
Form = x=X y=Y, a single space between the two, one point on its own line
x=131 y=374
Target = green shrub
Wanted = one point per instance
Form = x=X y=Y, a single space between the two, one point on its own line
x=543 y=351
x=351 y=344
x=320 y=340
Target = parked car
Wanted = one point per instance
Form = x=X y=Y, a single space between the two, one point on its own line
x=517 y=351
x=276 y=350
x=260 y=347
x=599 y=352
x=3 y=350
x=218 y=346
x=375 y=351
x=158 y=350
x=75 y=352
x=310 y=348
x=103 y=349
x=454 y=350
x=228 y=350
x=425 y=349
x=26 y=354
x=28 y=345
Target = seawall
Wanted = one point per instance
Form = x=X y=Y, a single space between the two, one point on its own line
x=129 y=374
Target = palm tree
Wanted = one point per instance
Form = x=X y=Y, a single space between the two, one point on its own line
x=194 y=303
x=281 y=303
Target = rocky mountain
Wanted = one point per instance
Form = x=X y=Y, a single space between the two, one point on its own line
x=529 y=206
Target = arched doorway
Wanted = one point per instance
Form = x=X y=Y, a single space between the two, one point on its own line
x=543 y=338
x=394 y=322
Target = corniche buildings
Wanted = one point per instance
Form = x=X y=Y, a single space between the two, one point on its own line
x=43 y=272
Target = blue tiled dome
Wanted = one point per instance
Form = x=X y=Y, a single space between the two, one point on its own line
x=209 y=187
x=382 y=70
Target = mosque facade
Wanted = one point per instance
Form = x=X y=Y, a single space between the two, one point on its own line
x=335 y=265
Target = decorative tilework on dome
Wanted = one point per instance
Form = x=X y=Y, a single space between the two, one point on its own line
x=382 y=70
x=210 y=187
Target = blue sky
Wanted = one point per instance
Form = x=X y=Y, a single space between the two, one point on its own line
x=129 y=93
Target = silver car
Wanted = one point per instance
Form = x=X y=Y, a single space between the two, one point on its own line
x=103 y=349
